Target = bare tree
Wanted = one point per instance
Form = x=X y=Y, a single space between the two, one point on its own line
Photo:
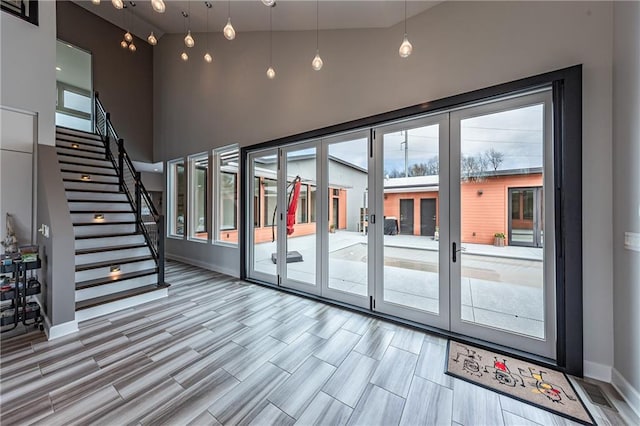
x=494 y=158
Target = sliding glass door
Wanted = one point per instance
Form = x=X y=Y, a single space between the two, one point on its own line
x=501 y=159
x=437 y=220
x=346 y=239
x=411 y=273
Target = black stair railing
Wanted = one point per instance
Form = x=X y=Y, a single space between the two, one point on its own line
x=148 y=221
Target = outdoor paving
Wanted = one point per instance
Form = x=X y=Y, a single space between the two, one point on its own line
x=501 y=286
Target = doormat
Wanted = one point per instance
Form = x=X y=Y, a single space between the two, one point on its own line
x=527 y=382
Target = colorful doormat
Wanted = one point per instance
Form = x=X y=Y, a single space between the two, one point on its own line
x=545 y=388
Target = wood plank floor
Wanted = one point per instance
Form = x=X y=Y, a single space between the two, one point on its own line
x=221 y=351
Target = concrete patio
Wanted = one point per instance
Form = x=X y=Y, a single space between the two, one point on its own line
x=502 y=287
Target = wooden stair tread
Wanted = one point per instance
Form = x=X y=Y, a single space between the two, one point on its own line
x=103 y=212
x=93 y=151
x=122 y=277
x=90 y=237
x=78 y=133
x=104 y=223
x=114 y=297
x=86 y=157
x=90 y=173
x=89 y=181
x=110 y=248
x=110 y=166
x=103 y=191
x=97 y=265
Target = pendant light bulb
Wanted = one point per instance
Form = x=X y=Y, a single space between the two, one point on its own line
x=208 y=58
x=152 y=39
x=96 y=2
x=269 y=2
x=132 y=47
x=317 y=63
x=184 y=56
x=128 y=37
x=188 y=40
x=229 y=32
x=158 y=5
x=271 y=73
x=405 y=48
x=124 y=44
x=118 y=4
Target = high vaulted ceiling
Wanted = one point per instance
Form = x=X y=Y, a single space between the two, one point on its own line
x=253 y=15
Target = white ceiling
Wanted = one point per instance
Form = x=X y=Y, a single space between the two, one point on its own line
x=252 y=15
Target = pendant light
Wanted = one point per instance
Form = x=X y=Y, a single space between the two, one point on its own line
x=188 y=39
x=228 y=31
x=118 y=4
x=158 y=5
x=207 y=56
x=405 y=48
x=271 y=73
x=152 y=39
x=317 y=63
x=96 y=2
x=124 y=44
x=269 y=3
x=128 y=37
x=132 y=47
x=184 y=56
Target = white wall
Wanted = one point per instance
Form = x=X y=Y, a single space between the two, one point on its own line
x=17 y=139
x=29 y=67
x=626 y=198
x=458 y=47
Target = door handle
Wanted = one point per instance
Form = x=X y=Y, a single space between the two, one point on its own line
x=454 y=252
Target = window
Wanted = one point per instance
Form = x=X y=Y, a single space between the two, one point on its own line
x=256 y=202
x=73 y=107
x=270 y=199
x=176 y=188
x=226 y=162
x=198 y=186
x=302 y=214
x=312 y=202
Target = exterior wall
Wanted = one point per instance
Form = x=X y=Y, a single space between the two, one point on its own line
x=392 y=206
x=484 y=215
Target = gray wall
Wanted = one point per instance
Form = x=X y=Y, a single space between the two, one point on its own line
x=458 y=47
x=123 y=79
x=57 y=252
x=626 y=195
x=28 y=57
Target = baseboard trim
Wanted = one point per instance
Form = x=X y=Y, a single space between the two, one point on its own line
x=597 y=371
x=204 y=265
x=628 y=392
x=60 y=330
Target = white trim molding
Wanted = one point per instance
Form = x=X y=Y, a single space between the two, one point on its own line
x=628 y=392
x=227 y=271
x=60 y=330
x=597 y=371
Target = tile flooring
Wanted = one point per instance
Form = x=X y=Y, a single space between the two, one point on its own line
x=221 y=351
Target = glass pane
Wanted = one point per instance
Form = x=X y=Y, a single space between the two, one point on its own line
x=411 y=234
x=77 y=102
x=348 y=220
x=227 y=181
x=199 y=196
x=177 y=190
x=265 y=189
x=301 y=235
x=502 y=169
x=73 y=122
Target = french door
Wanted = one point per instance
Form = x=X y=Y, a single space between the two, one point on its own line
x=415 y=219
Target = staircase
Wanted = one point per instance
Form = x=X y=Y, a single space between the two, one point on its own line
x=117 y=260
